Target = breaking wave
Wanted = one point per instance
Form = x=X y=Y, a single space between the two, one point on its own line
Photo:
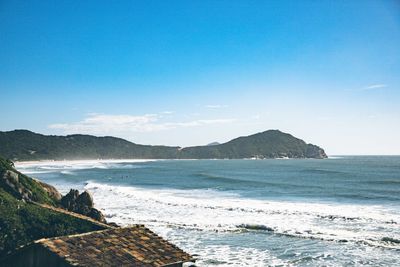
x=63 y=166
x=214 y=211
x=249 y=216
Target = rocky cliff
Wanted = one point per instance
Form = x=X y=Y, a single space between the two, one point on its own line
x=82 y=204
x=30 y=210
x=32 y=190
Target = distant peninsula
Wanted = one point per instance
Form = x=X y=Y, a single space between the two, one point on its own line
x=24 y=145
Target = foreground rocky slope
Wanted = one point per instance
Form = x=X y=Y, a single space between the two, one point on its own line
x=24 y=145
x=24 y=217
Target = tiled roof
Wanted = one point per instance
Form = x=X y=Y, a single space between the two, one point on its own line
x=130 y=246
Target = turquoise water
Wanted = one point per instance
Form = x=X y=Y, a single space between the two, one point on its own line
x=343 y=211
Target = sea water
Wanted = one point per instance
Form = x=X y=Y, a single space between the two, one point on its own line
x=342 y=211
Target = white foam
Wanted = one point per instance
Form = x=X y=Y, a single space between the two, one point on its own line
x=68 y=172
x=212 y=211
x=30 y=167
x=190 y=218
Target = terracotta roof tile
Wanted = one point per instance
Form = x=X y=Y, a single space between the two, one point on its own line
x=130 y=246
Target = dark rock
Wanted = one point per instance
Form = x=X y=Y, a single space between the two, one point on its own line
x=97 y=215
x=85 y=200
x=69 y=200
x=256 y=227
x=82 y=204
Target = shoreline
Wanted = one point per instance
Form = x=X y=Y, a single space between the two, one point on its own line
x=80 y=161
x=85 y=161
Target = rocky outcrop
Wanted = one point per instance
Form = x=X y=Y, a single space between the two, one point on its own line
x=51 y=190
x=34 y=191
x=73 y=201
x=10 y=181
x=82 y=204
x=69 y=200
x=29 y=210
x=23 y=188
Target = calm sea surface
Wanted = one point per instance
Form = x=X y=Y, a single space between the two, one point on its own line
x=342 y=211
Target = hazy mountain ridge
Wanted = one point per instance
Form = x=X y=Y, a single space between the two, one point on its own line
x=25 y=145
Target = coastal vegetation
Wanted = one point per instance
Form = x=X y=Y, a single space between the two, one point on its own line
x=24 y=145
x=23 y=219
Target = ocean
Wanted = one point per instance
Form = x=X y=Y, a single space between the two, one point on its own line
x=341 y=211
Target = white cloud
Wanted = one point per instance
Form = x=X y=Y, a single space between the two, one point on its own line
x=103 y=124
x=216 y=106
x=197 y=123
x=375 y=86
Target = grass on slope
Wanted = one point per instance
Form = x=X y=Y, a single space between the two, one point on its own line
x=21 y=223
x=38 y=193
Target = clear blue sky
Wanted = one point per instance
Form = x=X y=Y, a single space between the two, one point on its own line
x=192 y=72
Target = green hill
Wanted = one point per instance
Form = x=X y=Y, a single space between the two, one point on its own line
x=268 y=144
x=25 y=145
x=22 y=221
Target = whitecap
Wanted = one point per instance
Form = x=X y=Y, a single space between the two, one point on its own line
x=58 y=166
x=210 y=211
